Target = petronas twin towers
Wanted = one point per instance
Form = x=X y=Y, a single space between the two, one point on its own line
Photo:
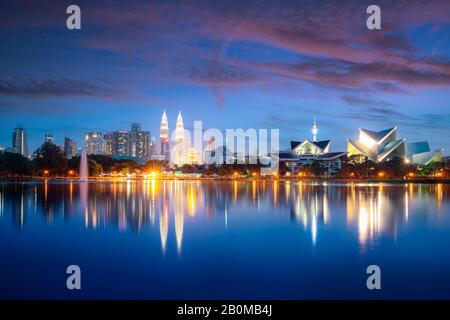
x=178 y=155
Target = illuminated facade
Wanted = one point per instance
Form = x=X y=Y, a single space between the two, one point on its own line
x=383 y=146
x=20 y=141
x=179 y=151
x=164 y=138
x=70 y=148
x=95 y=143
x=139 y=142
x=309 y=148
x=420 y=153
x=192 y=156
x=307 y=151
x=121 y=143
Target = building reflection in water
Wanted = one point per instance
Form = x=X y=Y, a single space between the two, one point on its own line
x=310 y=207
x=371 y=210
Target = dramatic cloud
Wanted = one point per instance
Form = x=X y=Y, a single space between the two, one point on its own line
x=53 y=87
x=255 y=49
x=366 y=101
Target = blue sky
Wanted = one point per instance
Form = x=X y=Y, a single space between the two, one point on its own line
x=232 y=64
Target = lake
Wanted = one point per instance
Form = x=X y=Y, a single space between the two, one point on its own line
x=224 y=239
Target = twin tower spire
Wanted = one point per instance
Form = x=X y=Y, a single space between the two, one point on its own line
x=179 y=151
x=179 y=148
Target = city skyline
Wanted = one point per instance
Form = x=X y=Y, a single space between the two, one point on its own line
x=142 y=144
x=260 y=68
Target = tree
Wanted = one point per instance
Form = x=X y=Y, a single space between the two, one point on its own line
x=317 y=169
x=396 y=168
x=50 y=157
x=357 y=166
x=14 y=163
x=95 y=169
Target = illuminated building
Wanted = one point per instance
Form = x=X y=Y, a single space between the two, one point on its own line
x=95 y=143
x=139 y=142
x=70 y=148
x=153 y=148
x=192 y=156
x=420 y=153
x=121 y=143
x=164 y=138
x=20 y=141
x=307 y=151
x=309 y=148
x=383 y=146
x=49 y=138
x=108 y=137
x=179 y=150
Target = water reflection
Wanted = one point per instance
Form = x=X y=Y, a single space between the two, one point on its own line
x=369 y=210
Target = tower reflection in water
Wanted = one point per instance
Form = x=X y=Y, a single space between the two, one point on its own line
x=369 y=210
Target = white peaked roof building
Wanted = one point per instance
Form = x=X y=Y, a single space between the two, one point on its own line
x=420 y=153
x=383 y=145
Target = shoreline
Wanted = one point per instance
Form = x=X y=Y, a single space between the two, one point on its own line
x=221 y=179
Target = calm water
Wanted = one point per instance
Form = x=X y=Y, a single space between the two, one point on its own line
x=178 y=239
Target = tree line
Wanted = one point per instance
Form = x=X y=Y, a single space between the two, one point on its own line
x=50 y=160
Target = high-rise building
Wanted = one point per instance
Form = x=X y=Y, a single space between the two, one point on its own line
x=20 y=141
x=153 y=147
x=49 y=138
x=179 y=152
x=164 y=137
x=192 y=156
x=95 y=143
x=121 y=143
x=139 y=142
x=70 y=148
x=108 y=137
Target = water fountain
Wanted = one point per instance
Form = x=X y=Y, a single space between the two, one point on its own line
x=84 y=175
x=84 y=178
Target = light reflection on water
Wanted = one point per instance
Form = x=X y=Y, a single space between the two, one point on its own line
x=132 y=205
x=326 y=215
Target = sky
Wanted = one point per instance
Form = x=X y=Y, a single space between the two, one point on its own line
x=232 y=64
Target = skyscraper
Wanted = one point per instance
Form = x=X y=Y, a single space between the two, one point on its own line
x=95 y=143
x=192 y=156
x=108 y=137
x=70 y=148
x=20 y=141
x=179 y=152
x=121 y=143
x=153 y=147
x=164 y=137
x=139 y=142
